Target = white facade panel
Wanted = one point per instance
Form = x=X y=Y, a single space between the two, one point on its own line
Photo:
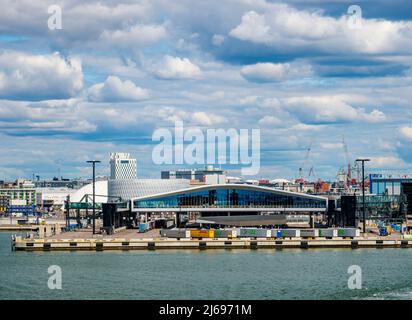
x=122 y=167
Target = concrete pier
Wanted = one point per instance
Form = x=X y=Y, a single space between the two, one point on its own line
x=21 y=244
x=16 y=227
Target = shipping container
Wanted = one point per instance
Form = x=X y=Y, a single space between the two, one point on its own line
x=175 y=233
x=290 y=233
x=305 y=233
x=275 y=233
x=143 y=227
x=255 y=233
x=247 y=232
x=330 y=233
x=348 y=232
x=227 y=233
x=389 y=230
x=263 y=233
x=202 y=233
x=237 y=231
x=163 y=224
x=146 y=226
x=383 y=232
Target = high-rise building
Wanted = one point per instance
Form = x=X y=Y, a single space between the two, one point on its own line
x=122 y=167
x=20 y=192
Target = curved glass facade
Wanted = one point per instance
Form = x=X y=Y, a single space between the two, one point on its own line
x=230 y=198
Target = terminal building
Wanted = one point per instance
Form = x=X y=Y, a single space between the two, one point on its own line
x=208 y=197
x=231 y=204
x=229 y=198
x=203 y=196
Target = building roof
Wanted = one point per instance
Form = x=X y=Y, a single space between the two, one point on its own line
x=229 y=186
x=100 y=191
x=128 y=189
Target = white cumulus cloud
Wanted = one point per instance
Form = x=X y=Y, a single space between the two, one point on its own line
x=386 y=161
x=114 y=89
x=33 y=77
x=270 y=121
x=283 y=27
x=328 y=109
x=207 y=119
x=406 y=132
x=274 y=72
x=137 y=35
x=218 y=40
x=176 y=68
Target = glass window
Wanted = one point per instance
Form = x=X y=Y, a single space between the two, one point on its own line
x=231 y=198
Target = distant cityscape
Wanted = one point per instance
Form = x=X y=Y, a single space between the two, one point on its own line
x=25 y=197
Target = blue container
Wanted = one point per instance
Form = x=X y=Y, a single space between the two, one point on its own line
x=279 y=234
x=24 y=210
x=383 y=232
x=72 y=227
x=142 y=227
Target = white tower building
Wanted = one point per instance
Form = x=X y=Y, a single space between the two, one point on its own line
x=122 y=166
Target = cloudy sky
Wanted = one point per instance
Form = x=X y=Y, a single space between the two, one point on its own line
x=117 y=70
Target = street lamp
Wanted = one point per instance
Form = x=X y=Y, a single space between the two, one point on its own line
x=93 y=162
x=363 y=160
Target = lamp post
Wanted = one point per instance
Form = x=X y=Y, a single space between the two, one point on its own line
x=93 y=162
x=363 y=160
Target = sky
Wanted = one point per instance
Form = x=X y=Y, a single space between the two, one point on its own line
x=118 y=70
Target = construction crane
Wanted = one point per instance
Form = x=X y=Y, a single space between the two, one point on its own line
x=304 y=163
x=348 y=173
x=312 y=173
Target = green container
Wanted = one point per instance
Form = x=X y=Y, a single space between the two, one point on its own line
x=218 y=233
x=248 y=232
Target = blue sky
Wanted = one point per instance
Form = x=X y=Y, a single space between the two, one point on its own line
x=117 y=70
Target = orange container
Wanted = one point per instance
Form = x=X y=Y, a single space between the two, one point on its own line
x=202 y=233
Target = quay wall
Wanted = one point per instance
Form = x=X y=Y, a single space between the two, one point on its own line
x=21 y=244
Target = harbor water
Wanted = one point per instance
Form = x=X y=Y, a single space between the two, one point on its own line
x=211 y=274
